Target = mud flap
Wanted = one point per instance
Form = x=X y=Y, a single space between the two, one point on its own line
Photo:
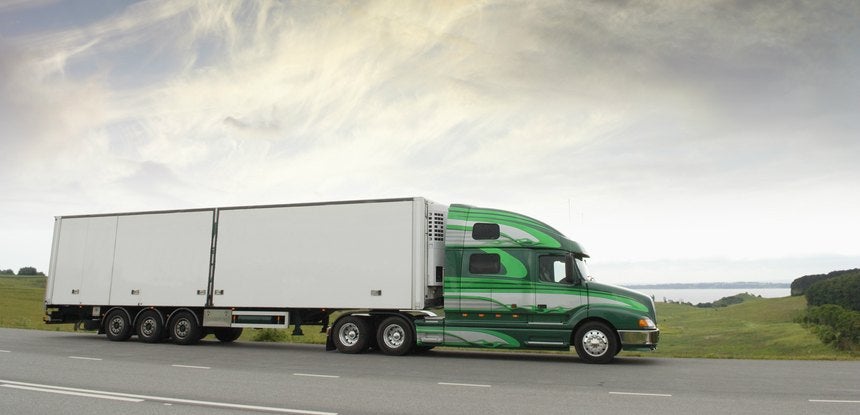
x=329 y=342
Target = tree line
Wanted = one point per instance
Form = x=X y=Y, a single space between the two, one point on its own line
x=833 y=310
x=23 y=271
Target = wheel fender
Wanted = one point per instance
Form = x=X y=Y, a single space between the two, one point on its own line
x=617 y=318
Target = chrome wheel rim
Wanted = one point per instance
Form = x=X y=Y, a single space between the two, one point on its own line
x=393 y=336
x=348 y=334
x=595 y=343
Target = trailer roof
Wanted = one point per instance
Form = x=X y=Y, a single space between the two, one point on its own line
x=212 y=209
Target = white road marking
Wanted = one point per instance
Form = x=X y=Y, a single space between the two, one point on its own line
x=664 y=395
x=62 y=392
x=316 y=376
x=831 y=401
x=472 y=385
x=8 y=383
x=84 y=358
x=5 y=351
x=192 y=367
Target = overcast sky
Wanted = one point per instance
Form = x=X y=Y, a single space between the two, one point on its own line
x=678 y=141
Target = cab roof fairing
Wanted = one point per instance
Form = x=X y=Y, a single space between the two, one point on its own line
x=515 y=229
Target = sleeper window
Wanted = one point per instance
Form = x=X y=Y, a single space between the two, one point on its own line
x=485 y=264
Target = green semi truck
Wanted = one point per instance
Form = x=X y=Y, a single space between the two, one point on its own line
x=511 y=282
x=399 y=275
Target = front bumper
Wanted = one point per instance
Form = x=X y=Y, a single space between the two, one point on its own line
x=639 y=339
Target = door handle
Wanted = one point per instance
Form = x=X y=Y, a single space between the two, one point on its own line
x=541 y=306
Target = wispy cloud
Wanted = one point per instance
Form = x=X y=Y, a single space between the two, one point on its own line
x=690 y=120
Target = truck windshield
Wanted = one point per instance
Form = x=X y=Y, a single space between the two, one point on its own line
x=582 y=269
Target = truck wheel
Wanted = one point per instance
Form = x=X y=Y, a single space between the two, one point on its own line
x=595 y=342
x=228 y=334
x=422 y=349
x=184 y=328
x=395 y=336
x=150 y=327
x=351 y=334
x=117 y=326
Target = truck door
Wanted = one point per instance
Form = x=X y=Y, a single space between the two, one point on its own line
x=558 y=291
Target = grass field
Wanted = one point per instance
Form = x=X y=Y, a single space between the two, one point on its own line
x=759 y=328
x=22 y=302
x=756 y=329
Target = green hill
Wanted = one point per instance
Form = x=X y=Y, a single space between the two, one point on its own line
x=758 y=328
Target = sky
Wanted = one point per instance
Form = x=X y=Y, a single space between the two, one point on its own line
x=677 y=141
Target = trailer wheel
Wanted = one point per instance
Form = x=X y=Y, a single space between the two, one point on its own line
x=351 y=334
x=395 y=337
x=184 y=328
x=228 y=334
x=150 y=327
x=595 y=342
x=117 y=326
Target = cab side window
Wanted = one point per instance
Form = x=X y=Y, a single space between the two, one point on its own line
x=553 y=268
x=485 y=264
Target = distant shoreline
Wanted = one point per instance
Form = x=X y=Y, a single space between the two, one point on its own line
x=711 y=285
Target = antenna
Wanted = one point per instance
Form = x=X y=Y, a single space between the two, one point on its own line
x=569 y=215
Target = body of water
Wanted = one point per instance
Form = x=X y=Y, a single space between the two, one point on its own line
x=709 y=295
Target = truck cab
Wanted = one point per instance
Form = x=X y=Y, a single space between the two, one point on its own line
x=514 y=282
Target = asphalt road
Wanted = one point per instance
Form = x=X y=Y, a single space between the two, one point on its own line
x=50 y=372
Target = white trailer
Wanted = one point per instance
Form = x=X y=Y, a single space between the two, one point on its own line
x=184 y=274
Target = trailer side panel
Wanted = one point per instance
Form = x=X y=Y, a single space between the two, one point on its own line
x=357 y=255
x=84 y=260
x=162 y=259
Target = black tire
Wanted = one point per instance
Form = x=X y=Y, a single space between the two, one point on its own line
x=422 y=349
x=395 y=336
x=184 y=329
x=227 y=334
x=351 y=335
x=150 y=327
x=117 y=326
x=595 y=342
